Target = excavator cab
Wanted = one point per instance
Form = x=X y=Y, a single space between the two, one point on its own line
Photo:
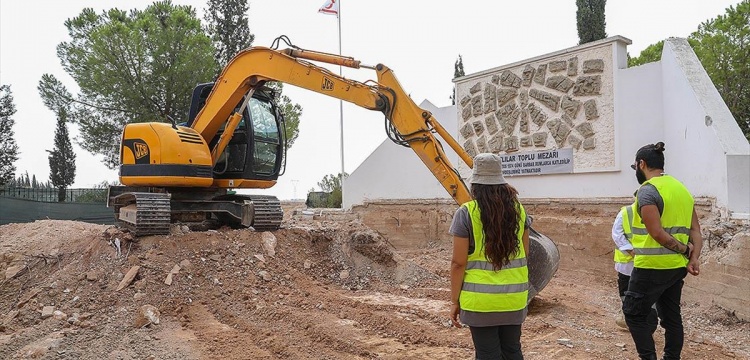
x=257 y=148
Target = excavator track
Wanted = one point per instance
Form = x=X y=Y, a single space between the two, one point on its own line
x=143 y=213
x=267 y=211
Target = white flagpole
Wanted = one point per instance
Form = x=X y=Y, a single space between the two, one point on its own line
x=341 y=114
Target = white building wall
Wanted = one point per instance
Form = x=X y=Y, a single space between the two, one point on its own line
x=672 y=100
x=395 y=172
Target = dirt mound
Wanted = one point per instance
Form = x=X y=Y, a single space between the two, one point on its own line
x=314 y=290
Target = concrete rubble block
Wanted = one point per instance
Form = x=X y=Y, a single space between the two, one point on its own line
x=573 y=66
x=482 y=145
x=537 y=115
x=511 y=144
x=175 y=270
x=506 y=95
x=269 y=243
x=128 y=278
x=147 y=315
x=490 y=98
x=467 y=130
x=92 y=275
x=265 y=275
x=593 y=66
x=589 y=144
x=588 y=85
x=547 y=99
x=570 y=106
x=541 y=74
x=557 y=66
x=508 y=78
x=590 y=109
x=59 y=315
x=478 y=127
x=470 y=148
x=475 y=88
x=526 y=141
x=477 y=107
x=560 y=83
x=496 y=79
x=13 y=271
x=490 y=122
x=495 y=143
x=527 y=75
x=540 y=138
x=48 y=311
x=574 y=141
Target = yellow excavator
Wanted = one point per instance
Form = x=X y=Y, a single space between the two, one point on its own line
x=235 y=139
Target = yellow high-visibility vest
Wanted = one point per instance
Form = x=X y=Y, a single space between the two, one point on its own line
x=676 y=219
x=485 y=289
x=627 y=224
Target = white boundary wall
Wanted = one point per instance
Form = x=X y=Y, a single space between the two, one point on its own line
x=672 y=100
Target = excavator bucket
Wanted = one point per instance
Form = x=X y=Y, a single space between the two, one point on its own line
x=544 y=258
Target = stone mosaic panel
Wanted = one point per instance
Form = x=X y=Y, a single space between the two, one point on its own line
x=521 y=107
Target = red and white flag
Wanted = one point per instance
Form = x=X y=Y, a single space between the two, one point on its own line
x=331 y=7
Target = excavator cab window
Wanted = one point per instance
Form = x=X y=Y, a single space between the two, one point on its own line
x=266 y=139
x=256 y=149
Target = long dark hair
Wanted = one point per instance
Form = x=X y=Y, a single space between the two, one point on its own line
x=500 y=217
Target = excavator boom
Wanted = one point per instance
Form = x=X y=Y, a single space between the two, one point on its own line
x=414 y=127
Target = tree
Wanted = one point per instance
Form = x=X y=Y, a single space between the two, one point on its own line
x=332 y=184
x=721 y=45
x=134 y=66
x=650 y=54
x=458 y=71
x=590 y=20
x=228 y=27
x=62 y=159
x=8 y=146
x=227 y=24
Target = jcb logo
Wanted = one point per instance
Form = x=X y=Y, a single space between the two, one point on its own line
x=141 y=150
x=327 y=84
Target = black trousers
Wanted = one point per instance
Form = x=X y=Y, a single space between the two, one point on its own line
x=622 y=284
x=663 y=288
x=497 y=342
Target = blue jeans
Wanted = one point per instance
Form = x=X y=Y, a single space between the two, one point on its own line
x=663 y=288
x=497 y=342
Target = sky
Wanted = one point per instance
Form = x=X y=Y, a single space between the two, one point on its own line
x=419 y=42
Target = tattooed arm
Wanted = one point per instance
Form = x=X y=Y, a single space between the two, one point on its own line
x=652 y=220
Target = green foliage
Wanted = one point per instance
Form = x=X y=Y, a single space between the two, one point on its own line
x=290 y=111
x=458 y=71
x=62 y=159
x=649 y=54
x=8 y=146
x=134 y=66
x=590 y=20
x=331 y=196
x=722 y=44
x=227 y=24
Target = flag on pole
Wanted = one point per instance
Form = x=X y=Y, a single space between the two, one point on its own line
x=331 y=7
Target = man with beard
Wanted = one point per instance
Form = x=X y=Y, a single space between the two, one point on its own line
x=667 y=243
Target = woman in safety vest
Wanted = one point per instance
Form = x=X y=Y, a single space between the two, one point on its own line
x=489 y=277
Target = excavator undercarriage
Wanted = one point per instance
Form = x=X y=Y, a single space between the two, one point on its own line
x=150 y=211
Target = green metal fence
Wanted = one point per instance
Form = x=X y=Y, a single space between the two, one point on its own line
x=21 y=205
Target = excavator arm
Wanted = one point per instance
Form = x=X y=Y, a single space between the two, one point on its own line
x=412 y=126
